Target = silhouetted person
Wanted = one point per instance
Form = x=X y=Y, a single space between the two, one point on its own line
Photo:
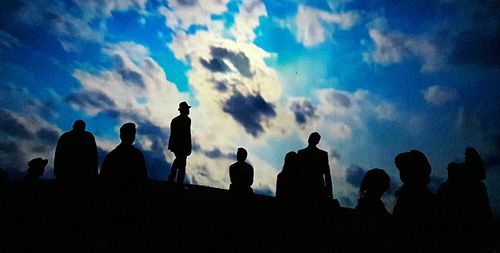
x=465 y=207
x=76 y=159
x=36 y=167
x=124 y=175
x=241 y=173
x=291 y=206
x=180 y=143
x=374 y=222
x=318 y=191
x=415 y=210
x=289 y=183
x=316 y=168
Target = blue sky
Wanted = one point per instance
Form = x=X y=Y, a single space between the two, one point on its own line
x=375 y=78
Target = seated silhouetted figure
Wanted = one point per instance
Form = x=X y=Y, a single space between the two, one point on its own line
x=316 y=169
x=36 y=167
x=374 y=222
x=465 y=207
x=123 y=178
x=415 y=209
x=241 y=173
x=75 y=161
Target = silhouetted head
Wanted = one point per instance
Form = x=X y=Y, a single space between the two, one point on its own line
x=79 y=126
x=241 y=155
x=474 y=164
x=314 y=139
x=36 y=167
x=414 y=168
x=184 y=108
x=291 y=160
x=374 y=184
x=455 y=171
x=127 y=133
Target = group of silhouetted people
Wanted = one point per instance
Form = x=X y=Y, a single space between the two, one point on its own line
x=457 y=218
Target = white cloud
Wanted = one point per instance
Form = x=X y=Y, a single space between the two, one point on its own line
x=181 y=14
x=248 y=19
x=313 y=26
x=393 y=47
x=439 y=95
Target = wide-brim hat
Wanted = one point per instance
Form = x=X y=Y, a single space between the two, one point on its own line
x=38 y=162
x=184 y=105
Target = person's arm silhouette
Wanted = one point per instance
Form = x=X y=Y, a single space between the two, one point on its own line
x=328 y=177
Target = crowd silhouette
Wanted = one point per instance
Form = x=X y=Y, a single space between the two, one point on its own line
x=457 y=218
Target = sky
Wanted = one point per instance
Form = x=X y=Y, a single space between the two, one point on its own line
x=374 y=78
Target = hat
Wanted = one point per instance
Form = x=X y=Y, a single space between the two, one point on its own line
x=183 y=105
x=38 y=162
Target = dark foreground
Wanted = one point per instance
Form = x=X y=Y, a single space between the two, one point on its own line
x=169 y=219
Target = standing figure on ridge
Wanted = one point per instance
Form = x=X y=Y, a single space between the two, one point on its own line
x=180 y=143
x=123 y=177
x=241 y=173
x=75 y=158
x=314 y=162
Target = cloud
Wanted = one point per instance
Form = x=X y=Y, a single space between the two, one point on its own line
x=313 y=26
x=303 y=110
x=247 y=20
x=237 y=59
x=439 y=95
x=393 y=47
x=91 y=101
x=249 y=111
x=354 y=175
x=12 y=126
x=182 y=14
x=8 y=41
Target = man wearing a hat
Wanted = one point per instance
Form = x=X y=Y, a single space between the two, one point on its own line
x=36 y=167
x=180 y=143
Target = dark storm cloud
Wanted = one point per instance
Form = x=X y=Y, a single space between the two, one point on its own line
x=238 y=59
x=90 y=99
x=303 y=111
x=220 y=86
x=335 y=154
x=217 y=153
x=249 y=111
x=11 y=126
x=187 y=2
x=11 y=156
x=128 y=75
x=354 y=175
x=341 y=99
x=215 y=65
x=47 y=136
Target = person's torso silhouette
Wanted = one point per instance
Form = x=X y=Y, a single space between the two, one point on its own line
x=316 y=169
x=415 y=212
x=124 y=167
x=241 y=173
x=76 y=158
